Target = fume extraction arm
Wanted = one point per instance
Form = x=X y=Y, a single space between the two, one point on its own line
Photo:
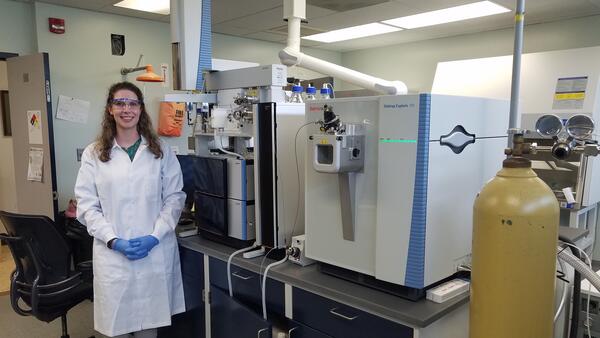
x=294 y=12
x=147 y=76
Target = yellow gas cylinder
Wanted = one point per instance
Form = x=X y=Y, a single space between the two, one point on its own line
x=515 y=231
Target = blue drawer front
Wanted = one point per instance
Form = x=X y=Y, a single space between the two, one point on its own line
x=246 y=286
x=341 y=321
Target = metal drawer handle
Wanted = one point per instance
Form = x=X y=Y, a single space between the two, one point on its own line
x=240 y=276
x=333 y=312
x=261 y=331
x=290 y=331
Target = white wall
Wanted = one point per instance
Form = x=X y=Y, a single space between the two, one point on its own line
x=17 y=33
x=81 y=66
x=415 y=63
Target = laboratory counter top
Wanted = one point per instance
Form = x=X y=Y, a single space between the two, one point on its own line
x=573 y=234
x=415 y=314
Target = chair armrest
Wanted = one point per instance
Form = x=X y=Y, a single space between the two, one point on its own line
x=62 y=283
x=63 y=286
x=14 y=296
x=84 y=266
x=9 y=238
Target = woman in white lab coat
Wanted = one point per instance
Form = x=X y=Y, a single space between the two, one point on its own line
x=129 y=196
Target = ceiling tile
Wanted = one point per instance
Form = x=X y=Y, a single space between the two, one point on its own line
x=226 y=28
x=314 y=12
x=137 y=14
x=344 y=5
x=224 y=10
x=267 y=36
x=361 y=16
x=264 y=20
x=304 y=30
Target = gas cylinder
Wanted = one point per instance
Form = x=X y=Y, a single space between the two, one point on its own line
x=515 y=232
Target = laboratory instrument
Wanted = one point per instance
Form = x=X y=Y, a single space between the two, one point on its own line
x=390 y=184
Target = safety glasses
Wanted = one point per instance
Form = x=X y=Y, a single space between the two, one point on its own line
x=122 y=103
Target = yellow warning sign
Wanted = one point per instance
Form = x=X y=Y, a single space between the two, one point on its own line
x=569 y=96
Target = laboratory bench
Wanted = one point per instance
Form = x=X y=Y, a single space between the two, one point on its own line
x=301 y=301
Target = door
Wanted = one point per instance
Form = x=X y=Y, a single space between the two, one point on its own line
x=31 y=122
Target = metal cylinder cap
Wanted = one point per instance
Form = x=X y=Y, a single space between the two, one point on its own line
x=516 y=162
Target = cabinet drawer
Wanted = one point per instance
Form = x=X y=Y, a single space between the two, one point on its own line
x=246 y=286
x=192 y=263
x=192 y=292
x=298 y=330
x=230 y=319
x=342 y=321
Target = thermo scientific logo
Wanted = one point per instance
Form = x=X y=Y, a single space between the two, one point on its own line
x=397 y=105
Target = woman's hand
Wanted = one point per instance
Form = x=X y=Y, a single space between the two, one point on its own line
x=130 y=251
x=143 y=244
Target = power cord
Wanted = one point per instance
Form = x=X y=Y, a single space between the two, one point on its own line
x=264 y=284
x=298 y=178
x=254 y=246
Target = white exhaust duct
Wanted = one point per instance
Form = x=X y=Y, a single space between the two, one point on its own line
x=295 y=11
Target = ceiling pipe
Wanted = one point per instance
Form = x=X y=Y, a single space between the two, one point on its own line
x=294 y=12
x=513 y=122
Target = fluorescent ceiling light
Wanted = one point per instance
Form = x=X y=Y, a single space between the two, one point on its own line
x=452 y=14
x=154 y=6
x=352 y=32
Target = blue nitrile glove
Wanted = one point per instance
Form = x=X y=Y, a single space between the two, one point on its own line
x=144 y=243
x=128 y=250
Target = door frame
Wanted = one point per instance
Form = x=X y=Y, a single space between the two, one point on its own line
x=3 y=57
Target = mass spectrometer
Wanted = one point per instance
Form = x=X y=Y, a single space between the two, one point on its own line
x=390 y=184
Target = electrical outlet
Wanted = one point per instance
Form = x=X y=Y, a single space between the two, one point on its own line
x=191 y=143
x=79 y=154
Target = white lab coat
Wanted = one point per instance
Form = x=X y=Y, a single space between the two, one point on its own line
x=127 y=199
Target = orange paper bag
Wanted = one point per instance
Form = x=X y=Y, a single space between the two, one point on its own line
x=170 y=118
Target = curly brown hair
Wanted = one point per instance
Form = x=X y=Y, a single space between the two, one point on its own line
x=105 y=140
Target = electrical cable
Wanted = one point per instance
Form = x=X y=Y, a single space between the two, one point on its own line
x=576 y=292
x=330 y=87
x=297 y=178
x=264 y=284
x=229 y=265
x=581 y=269
x=262 y=262
x=565 y=291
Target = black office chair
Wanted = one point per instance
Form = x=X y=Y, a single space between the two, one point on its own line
x=43 y=278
